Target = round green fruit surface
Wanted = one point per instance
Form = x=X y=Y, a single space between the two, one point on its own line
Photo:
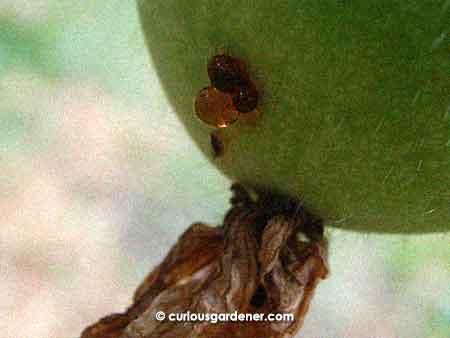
x=354 y=100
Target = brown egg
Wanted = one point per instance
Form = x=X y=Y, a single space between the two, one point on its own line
x=215 y=108
x=226 y=72
x=245 y=99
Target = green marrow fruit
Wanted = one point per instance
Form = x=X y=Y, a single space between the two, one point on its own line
x=354 y=101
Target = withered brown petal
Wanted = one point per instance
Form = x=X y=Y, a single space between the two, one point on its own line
x=290 y=286
x=196 y=248
x=225 y=285
x=289 y=289
x=179 y=298
x=107 y=327
x=275 y=235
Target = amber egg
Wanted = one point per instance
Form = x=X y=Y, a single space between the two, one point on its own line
x=226 y=72
x=245 y=99
x=215 y=108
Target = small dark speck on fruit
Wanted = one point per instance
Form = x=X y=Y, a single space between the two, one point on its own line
x=217 y=145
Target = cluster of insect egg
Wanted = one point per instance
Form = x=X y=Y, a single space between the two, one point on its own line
x=231 y=92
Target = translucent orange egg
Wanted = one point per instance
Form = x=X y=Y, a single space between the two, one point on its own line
x=215 y=108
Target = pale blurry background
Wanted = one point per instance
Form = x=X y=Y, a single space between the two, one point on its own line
x=98 y=178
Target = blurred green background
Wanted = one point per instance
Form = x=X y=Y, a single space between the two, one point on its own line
x=98 y=178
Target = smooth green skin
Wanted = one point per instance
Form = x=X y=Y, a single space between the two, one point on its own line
x=354 y=97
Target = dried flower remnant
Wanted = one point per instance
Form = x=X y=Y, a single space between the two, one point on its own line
x=252 y=263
